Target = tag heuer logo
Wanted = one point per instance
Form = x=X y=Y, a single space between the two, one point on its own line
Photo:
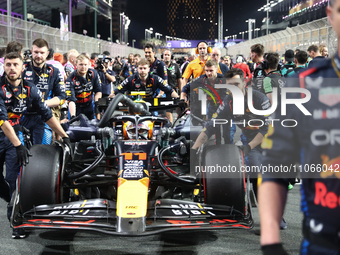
x=28 y=73
x=329 y=96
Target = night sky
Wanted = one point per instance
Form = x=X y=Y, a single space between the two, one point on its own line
x=153 y=13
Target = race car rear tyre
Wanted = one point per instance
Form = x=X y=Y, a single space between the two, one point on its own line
x=40 y=180
x=224 y=183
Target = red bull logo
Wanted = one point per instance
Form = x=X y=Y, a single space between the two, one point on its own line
x=333 y=167
x=324 y=197
x=84 y=95
x=12 y=115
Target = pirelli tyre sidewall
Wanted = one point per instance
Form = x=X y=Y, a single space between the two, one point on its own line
x=224 y=183
x=40 y=180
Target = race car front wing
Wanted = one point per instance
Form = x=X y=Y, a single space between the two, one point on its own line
x=162 y=215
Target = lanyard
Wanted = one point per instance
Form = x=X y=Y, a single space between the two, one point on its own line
x=42 y=79
x=12 y=92
x=336 y=64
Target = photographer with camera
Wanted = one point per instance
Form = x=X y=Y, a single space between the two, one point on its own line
x=106 y=75
x=117 y=65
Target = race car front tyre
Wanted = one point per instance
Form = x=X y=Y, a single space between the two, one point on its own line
x=224 y=182
x=40 y=180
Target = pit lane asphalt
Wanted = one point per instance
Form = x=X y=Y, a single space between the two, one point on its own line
x=189 y=243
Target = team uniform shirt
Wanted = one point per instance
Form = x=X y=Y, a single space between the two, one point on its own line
x=287 y=69
x=173 y=75
x=273 y=80
x=196 y=68
x=80 y=89
x=314 y=143
x=298 y=69
x=106 y=84
x=129 y=69
x=14 y=102
x=315 y=60
x=225 y=112
x=203 y=83
x=158 y=68
x=258 y=76
x=224 y=68
x=153 y=83
x=47 y=79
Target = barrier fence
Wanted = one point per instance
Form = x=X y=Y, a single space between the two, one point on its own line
x=15 y=29
x=299 y=37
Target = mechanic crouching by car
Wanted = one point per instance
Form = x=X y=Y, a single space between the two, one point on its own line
x=16 y=94
x=106 y=75
x=80 y=87
x=254 y=127
x=144 y=81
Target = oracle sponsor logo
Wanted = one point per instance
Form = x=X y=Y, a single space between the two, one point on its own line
x=325 y=137
x=325 y=198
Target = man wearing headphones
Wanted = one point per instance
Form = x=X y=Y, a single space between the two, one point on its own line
x=257 y=53
x=174 y=76
x=196 y=67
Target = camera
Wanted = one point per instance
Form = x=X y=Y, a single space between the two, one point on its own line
x=100 y=62
x=27 y=54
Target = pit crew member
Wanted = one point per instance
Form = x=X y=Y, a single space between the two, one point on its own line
x=252 y=136
x=80 y=87
x=16 y=94
x=144 y=81
x=157 y=66
x=50 y=82
x=314 y=142
x=129 y=68
x=206 y=81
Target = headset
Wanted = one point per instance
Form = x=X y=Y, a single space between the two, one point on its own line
x=172 y=55
x=209 y=48
x=265 y=64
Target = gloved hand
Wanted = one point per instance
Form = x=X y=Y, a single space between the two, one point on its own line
x=96 y=107
x=273 y=249
x=246 y=149
x=22 y=154
x=182 y=104
x=67 y=142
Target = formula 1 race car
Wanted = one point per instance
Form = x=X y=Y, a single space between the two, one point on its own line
x=130 y=175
